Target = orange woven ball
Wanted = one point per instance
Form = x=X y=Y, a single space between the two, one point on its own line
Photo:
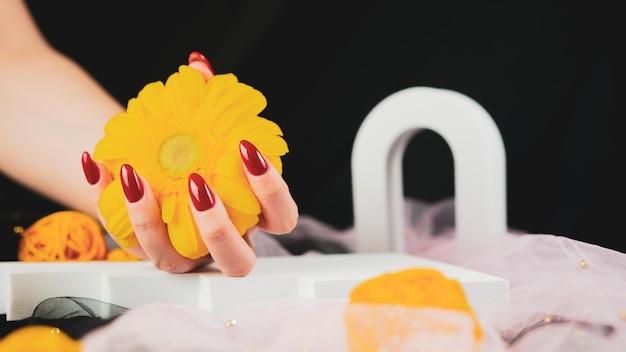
x=63 y=236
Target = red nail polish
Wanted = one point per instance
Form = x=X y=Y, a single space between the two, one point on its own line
x=197 y=57
x=252 y=158
x=201 y=195
x=133 y=188
x=90 y=168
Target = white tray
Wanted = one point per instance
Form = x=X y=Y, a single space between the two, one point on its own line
x=129 y=284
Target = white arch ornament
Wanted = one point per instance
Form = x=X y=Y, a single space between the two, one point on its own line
x=479 y=165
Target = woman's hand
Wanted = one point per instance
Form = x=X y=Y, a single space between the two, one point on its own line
x=232 y=252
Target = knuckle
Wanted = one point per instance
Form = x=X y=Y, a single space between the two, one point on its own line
x=217 y=235
x=144 y=226
x=271 y=191
x=278 y=225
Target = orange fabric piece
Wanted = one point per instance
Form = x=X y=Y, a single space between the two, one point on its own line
x=410 y=288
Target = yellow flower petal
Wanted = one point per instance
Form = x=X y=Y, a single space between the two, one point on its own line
x=242 y=221
x=260 y=126
x=229 y=164
x=183 y=91
x=121 y=255
x=150 y=101
x=184 y=235
x=113 y=209
x=168 y=208
x=236 y=194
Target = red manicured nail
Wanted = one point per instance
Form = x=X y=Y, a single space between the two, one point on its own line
x=133 y=188
x=252 y=158
x=197 y=57
x=201 y=195
x=90 y=168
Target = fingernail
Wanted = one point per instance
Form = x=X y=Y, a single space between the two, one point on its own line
x=252 y=158
x=201 y=195
x=90 y=168
x=133 y=188
x=197 y=57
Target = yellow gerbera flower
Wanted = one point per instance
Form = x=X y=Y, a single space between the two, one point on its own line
x=183 y=126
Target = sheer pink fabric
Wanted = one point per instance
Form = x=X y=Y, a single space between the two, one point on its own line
x=565 y=295
x=579 y=289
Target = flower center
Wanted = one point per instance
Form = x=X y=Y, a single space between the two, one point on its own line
x=178 y=153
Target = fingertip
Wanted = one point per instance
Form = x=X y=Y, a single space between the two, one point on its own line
x=202 y=64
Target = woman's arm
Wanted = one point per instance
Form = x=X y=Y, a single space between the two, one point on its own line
x=51 y=110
